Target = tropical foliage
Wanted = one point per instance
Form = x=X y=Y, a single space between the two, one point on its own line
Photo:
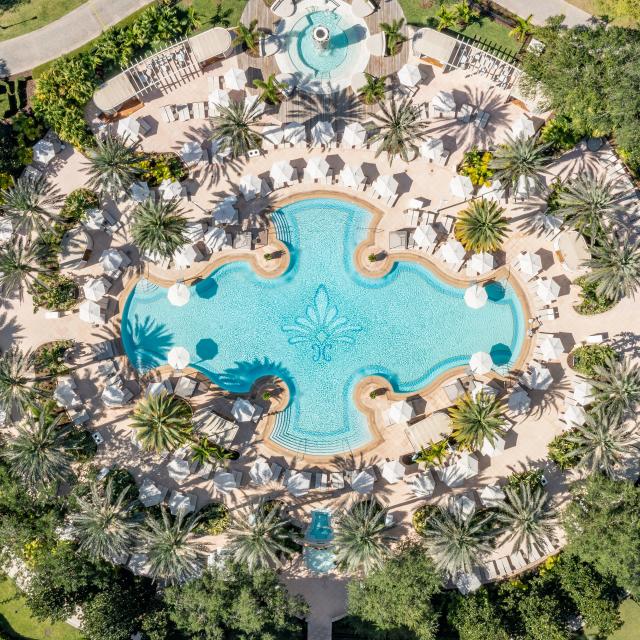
x=235 y=128
x=18 y=381
x=247 y=36
x=561 y=449
x=271 y=91
x=559 y=133
x=393 y=35
x=475 y=165
x=589 y=356
x=374 y=89
x=482 y=226
x=590 y=301
x=159 y=228
x=616 y=387
x=112 y=166
x=474 y=420
x=434 y=454
x=523 y=28
x=20 y=267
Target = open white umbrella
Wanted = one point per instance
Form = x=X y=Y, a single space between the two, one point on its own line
x=409 y=75
x=250 y=186
x=538 y=378
x=354 y=135
x=129 y=129
x=432 y=148
x=494 y=191
x=453 y=252
x=139 y=191
x=185 y=257
x=273 y=134
x=494 y=448
x=191 y=152
x=225 y=213
x=352 y=176
x=475 y=297
x=242 y=410
x=317 y=167
x=550 y=347
x=322 y=133
x=65 y=396
x=481 y=263
x=235 y=78
x=96 y=288
x=181 y=503
x=575 y=415
x=386 y=186
x=529 y=263
x=519 y=401
x=178 y=294
x=362 y=482
x=583 y=393
x=260 y=472
x=299 y=483
x=150 y=495
x=400 y=411
x=393 y=471
x=443 y=101
x=294 y=132
x=218 y=98
x=492 y=496
x=90 y=312
x=425 y=235
x=112 y=260
x=44 y=151
x=452 y=475
x=113 y=395
x=547 y=290
x=423 y=485
x=523 y=126
x=170 y=189
x=282 y=171
x=480 y=362
x=224 y=482
x=462 y=505
x=215 y=238
x=461 y=186
x=178 y=358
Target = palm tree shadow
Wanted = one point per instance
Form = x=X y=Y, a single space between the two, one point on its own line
x=241 y=377
x=151 y=342
x=10 y=330
x=342 y=107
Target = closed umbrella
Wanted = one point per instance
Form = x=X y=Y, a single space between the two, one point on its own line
x=224 y=482
x=423 y=485
x=322 y=133
x=550 y=347
x=575 y=415
x=461 y=186
x=96 y=288
x=352 y=176
x=431 y=148
x=242 y=410
x=282 y=171
x=112 y=260
x=547 y=290
x=250 y=186
x=400 y=411
x=191 y=152
x=139 y=191
x=492 y=496
x=354 y=135
x=260 y=473
x=235 y=78
x=583 y=393
x=385 y=186
x=218 y=98
x=170 y=189
x=44 y=151
x=453 y=252
x=178 y=294
x=475 y=297
x=393 y=471
x=317 y=167
x=443 y=101
x=409 y=75
x=178 y=358
x=91 y=312
x=523 y=126
x=129 y=129
x=519 y=401
x=481 y=262
x=425 y=235
x=494 y=448
x=529 y=263
x=294 y=132
x=362 y=482
x=538 y=378
x=274 y=134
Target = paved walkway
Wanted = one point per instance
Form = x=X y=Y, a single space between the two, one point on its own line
x=543 y=9
x=65 y=34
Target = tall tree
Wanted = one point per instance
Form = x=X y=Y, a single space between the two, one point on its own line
x=475 y=617
x=477 y=420
x=20 y=267
x=482 y=226
x=616 y=386
x=159 y=228
x=235 y=128
x=18 y=381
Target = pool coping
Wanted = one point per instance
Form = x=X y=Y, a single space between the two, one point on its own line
x=273 y=269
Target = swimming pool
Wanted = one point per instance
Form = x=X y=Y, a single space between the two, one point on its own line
x=321 y=326
x=319 y=560
x=320 y=531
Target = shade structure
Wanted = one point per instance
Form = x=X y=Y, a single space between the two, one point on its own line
x=529 y=263
x=224 y=481
x=352 y=176
x=423 y=485
x=260 y=472
x=215 y=238
x=178 y=358
x=461 y=186
x=550 y=347
x=492 y=495
x=432 y=148
x=44 y=151
x=362 y=481
x=178 y=294
x=170 y=189
x=294 y=132
x=425 y=235
x=139 y=191
x=400 y=411
x=538 y=377
x=583 y=393
x=475 y=297
x=96 y=288
x=322 y=133
x=495 y=191
x=129 y=129
x=523 y=126
x=242 y=410
x=481 y=263
x=91 y=312
x=317 y=167
x=273 y=134
x=393 y=471
x=467 y=583
x=453 y=252
x=575 y=415
x=519 y=401
x=235 y=78
x=492 y=448
x=547 y=290
x=225 y=213
x=282 y=171
x=443 y=101
x=191 y=152
x=112 y=260
x=185 y=257
x=150 y=494
x=250 y=186
x=218 y=98
x=354 y=135
x=409 y=75
x=386 y=186
x=299 y=483
x=462 y=505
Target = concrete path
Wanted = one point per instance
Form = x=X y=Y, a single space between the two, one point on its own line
x=65 y=34
x=543 y=9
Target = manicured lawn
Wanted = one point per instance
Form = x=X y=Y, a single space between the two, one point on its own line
x=591 y=6
x=29 y=15
x=231 y=10
x=16 y=620
x=630 y=611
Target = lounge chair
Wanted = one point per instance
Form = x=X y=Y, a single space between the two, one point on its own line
x=489 y=568
x=466 y=113
x=276 y=470
x=103 y=350
x=183 y=112
x=167 y=114
x=454 y=390
x=482 y=118
x=198 y=111
x=320 y=481
x=185 y=387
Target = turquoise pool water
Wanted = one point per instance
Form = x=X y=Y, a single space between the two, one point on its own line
x=321 y=327
x=320 y=531
x=319 y=560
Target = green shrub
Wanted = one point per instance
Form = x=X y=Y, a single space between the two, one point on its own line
x=589 y=356
x=560 y=134
x=214 y=519
x=121 y=479
x=591 y=303
x=555 y=189
x=54 y=292
x=49 y=357
x=84 y=446
x=475 y=165
x=157 y=167
x=559 y=450
x=76 y=205
x=420 y=517
x=531 y=477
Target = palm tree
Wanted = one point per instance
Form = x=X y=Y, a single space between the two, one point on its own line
x=400 y=129
x=455 y=541
x=102 y=524
x=40 y=453
x=523 y=28
x=615 y=267
x=393 y=35
x=360 y=542
x=475 y=421
x=446 y=18
x=603 y=442
x=616 y=387
x=18 y=388
x=29 y=204
x=271 y=89
x=247 y=36
x=19 y=267
x=481 y=226
x=172 y=554
x=159 y=228
x=464 y=14
x=373 y=91
x=162 y=421
x=113 y=166
x=526 y=516
x=261 y=536
x=520 y=159
x=203 y=451
x=436 y=453
x=586 y=203
x=234 y=128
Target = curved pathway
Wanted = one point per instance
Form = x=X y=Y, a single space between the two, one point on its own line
x=69 y=32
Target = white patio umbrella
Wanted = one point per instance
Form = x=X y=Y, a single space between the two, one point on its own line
x=425 y=235
x=44 y=151
x=178 y=294
x=65 y=396
x=453 y=251
x=480 y=362
x=129 y=129
x=386 y=186
x=150 y=495
x=423 y=485
x=215 y=238
x=242 y=410
x=139 y=191
x=253 y=102
x=322 y=133
x=482 y=262
x=352 y=176
x=550 y=347
x=393 y=471
x=317 y=167
x=185 y=257
x=260 y=472
x=519 y=401
x=443 y=101
x=273 y=134
x=294 y=132
x=354 y=135
x=494 y=191
x=181 y=503
x=526 y=187
x=468 y=464
x=282 y=171
x=224 y=481
x=178 y=469
x=299 y=483
x=235 y=78
x=178 y=358
x=575 y=415
x=538 y=378
x=462 y=505
x=461 y=186
x=467 y=583
x=362 y=482
x=475 y=297
x=529 y=263
x=432 y=148
x=492 y=495
x=225 y=213
x=523 y=126
x=250 y=186
x=96 y=288
x=453 y=475
x=170 y=189
x=583 y=392
x=494 y=448
x=547 y=290
x=113 y=395
x=218 y=98
x=191 y=152
x=112 y=260
x=400 y=411
x=91 y=312
x=409 y=75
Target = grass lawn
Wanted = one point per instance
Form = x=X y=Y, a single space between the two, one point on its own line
x=28 y=15
x=16 y=620
x=231 y=10
x=591 y=6
x=630 y=611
